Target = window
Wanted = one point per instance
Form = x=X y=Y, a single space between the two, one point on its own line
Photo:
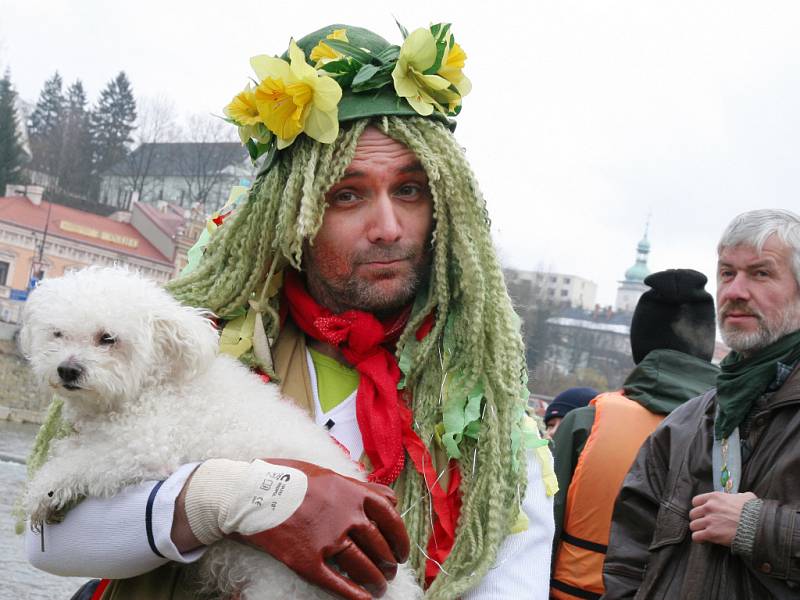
x=551 y=292
x=4 y=268
x=553 y=278
x=567 y=280
x=564 y=293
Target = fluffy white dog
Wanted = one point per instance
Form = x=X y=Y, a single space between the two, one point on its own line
x=146 y=391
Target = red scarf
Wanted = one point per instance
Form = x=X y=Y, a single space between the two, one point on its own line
x=383 y=417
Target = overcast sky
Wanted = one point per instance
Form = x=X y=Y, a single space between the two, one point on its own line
x=585 y=117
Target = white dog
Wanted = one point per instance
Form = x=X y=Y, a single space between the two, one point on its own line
x=146 y=391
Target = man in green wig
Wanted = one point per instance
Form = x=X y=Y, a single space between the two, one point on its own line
x=359 y=274
x=710 y=507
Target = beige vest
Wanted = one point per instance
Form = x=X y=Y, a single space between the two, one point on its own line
x=169 y=582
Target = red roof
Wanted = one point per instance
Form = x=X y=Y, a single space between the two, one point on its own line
x=73 y=224
x=169 y=220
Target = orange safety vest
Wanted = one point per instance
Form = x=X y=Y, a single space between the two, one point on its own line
x=620 y=427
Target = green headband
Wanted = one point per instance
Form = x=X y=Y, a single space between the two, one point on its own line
x=341 y=73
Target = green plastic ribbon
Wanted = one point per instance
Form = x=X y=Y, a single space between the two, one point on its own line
x=195 y=253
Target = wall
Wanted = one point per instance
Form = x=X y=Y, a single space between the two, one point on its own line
x=17 y=387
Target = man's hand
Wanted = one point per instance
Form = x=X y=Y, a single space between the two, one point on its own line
x=715 y=516
x=331 y=520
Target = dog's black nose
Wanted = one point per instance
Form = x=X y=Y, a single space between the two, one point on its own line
x=69 y=372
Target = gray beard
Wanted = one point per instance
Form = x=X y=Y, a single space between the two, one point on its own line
x=748 y=342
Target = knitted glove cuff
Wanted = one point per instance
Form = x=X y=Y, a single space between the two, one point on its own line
x=745 y=538
x=212 y=490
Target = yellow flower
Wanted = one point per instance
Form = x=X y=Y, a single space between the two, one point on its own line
x=452 y=63
x=242 y=108
x=293 y=98
x=243 y=111
x=428 y=92
x=322 y=53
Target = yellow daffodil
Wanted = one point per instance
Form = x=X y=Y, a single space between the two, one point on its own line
x=322 y=53
x=242 y=108
x=243 y=111
x=452 y=64
x=428 y=92
x=293 y=98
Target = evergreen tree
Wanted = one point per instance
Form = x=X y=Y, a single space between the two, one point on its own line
x=12 y=156
x=49 y=111
x=46 y=128
x=76 y=151
x=111 y=123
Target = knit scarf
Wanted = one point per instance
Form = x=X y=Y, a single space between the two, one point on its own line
x=742 y=380
x=383 y=417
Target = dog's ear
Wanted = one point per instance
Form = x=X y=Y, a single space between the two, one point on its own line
x=186 y=339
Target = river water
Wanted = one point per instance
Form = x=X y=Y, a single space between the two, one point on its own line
x=19 y=580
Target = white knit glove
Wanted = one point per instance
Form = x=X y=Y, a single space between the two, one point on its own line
x=227 y=496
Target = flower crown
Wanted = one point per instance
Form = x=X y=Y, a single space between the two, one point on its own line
x=290 y=96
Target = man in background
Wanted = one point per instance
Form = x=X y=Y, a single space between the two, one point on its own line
x=566 y=401
x=710 y=507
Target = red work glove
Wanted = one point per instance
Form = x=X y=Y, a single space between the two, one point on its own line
x=326 y=519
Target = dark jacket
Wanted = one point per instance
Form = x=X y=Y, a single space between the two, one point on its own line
x=663 y=381
x=651 y=554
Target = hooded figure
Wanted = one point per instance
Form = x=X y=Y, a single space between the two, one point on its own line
x=672 y=341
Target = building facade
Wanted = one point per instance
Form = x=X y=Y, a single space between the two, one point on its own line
x=632 y=287
x=182 y=173
x=528 y=287
x=39 y=239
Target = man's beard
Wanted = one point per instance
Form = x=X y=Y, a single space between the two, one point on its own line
x=359 y=293
x=769 y=330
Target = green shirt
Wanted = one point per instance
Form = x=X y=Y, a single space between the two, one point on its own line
x=335 y=381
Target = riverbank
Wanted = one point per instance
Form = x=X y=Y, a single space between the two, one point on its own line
x=21 y=399
x=20 y=579
x=22 y=415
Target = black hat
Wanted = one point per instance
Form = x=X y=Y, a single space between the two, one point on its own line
x=568 y=400
x=675 y=314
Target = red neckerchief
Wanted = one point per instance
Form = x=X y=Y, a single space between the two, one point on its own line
x=383 y=417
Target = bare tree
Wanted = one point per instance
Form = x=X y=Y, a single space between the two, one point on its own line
x=204 y=161
x=156 y=123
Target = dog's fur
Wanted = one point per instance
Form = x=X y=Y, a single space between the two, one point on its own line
x=154 y=394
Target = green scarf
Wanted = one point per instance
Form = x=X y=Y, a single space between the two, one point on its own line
x=742 y=380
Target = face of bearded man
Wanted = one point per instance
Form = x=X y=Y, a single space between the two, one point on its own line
x=758 y=298
x=372 y=252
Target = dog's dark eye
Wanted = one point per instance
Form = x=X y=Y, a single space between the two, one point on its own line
x=56 y=334
x=107 y=339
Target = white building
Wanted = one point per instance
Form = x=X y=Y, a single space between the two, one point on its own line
x=557 y=288
x=179 y=173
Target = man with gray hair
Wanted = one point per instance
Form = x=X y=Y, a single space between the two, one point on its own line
x=711 y=506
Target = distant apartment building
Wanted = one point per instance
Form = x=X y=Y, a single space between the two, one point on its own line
x=528 y=287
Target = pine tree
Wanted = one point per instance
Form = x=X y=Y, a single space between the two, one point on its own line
x=112 y=121
x=12 y=155
x=76 y=153
x=46 y=128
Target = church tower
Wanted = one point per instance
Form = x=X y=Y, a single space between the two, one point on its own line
x=632 y=287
